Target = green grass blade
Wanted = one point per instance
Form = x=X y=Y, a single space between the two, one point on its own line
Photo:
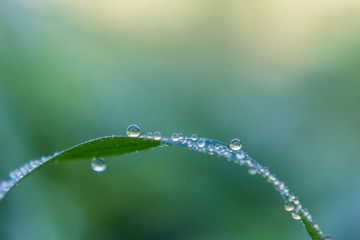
x=119 y=145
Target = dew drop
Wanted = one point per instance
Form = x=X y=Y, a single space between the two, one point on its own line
x=316 y=226
x=157 y=135
x=328 y=237
x=235 y=144
x=149 y=135
x=194 y=137
x=289 y=206
x=305 y=212
x=175 y=137
x=133 y=131
x=292 y=196
x=240 y=155
x=201 y=143
x=98 y=165
x=296 y=200
x=295 y=215
x=211 y=147
x=252 y=170
x=181 y=136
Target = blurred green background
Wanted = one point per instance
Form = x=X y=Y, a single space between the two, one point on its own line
x=283 y=76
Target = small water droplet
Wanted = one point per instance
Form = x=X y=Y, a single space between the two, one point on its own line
x=235 y=144
x=289 y=206
x=133 y=131
x=240 y=155
x=211 y=147
x=157 y=135
x=201 y=143
x=175 y=137
x=328 y=237
x=292 y=196
x=252 y=170
x=194 y=137
x=98 y=165
x=181 y=136
x=295 y=215
x=316 y=226
x=149 y=135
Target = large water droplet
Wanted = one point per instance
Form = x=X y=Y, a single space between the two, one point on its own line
x=157 y=135
x=133 y=131
x=98 y=165
x=235 y=144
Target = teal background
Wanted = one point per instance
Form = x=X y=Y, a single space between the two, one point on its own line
x=282 y=76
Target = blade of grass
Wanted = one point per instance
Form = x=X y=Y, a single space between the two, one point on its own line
x=119 y=145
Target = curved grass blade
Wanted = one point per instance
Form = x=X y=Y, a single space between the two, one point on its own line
x=99 y=147
x=118 y=145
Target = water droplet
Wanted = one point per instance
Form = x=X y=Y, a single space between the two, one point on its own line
x=252 y=170
x=175 y=137
x=194 y=137
x=133 y=131
x=306 y=212
x=296 y=200
x=211 y=148
x=157 y=135
x=292 y=196
x=328 y=237
x=289 y=206
x=149 y=135
x=240 y=155
x=201 y=143
x=295 y=215
x=181 y=136
x=98 y=165
x=235 y=144
x=316 y=226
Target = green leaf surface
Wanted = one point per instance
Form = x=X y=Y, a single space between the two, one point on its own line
x=105 y=147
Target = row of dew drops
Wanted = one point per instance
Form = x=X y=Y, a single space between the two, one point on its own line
x=233 y=152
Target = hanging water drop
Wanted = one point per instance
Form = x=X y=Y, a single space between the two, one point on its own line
x=235 y=144
x=133 y=131
x=98 y=165
x=157 y=135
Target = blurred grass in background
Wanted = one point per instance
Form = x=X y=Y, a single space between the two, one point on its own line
x=282 y=76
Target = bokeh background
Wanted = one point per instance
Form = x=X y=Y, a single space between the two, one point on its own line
x=283 y=76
